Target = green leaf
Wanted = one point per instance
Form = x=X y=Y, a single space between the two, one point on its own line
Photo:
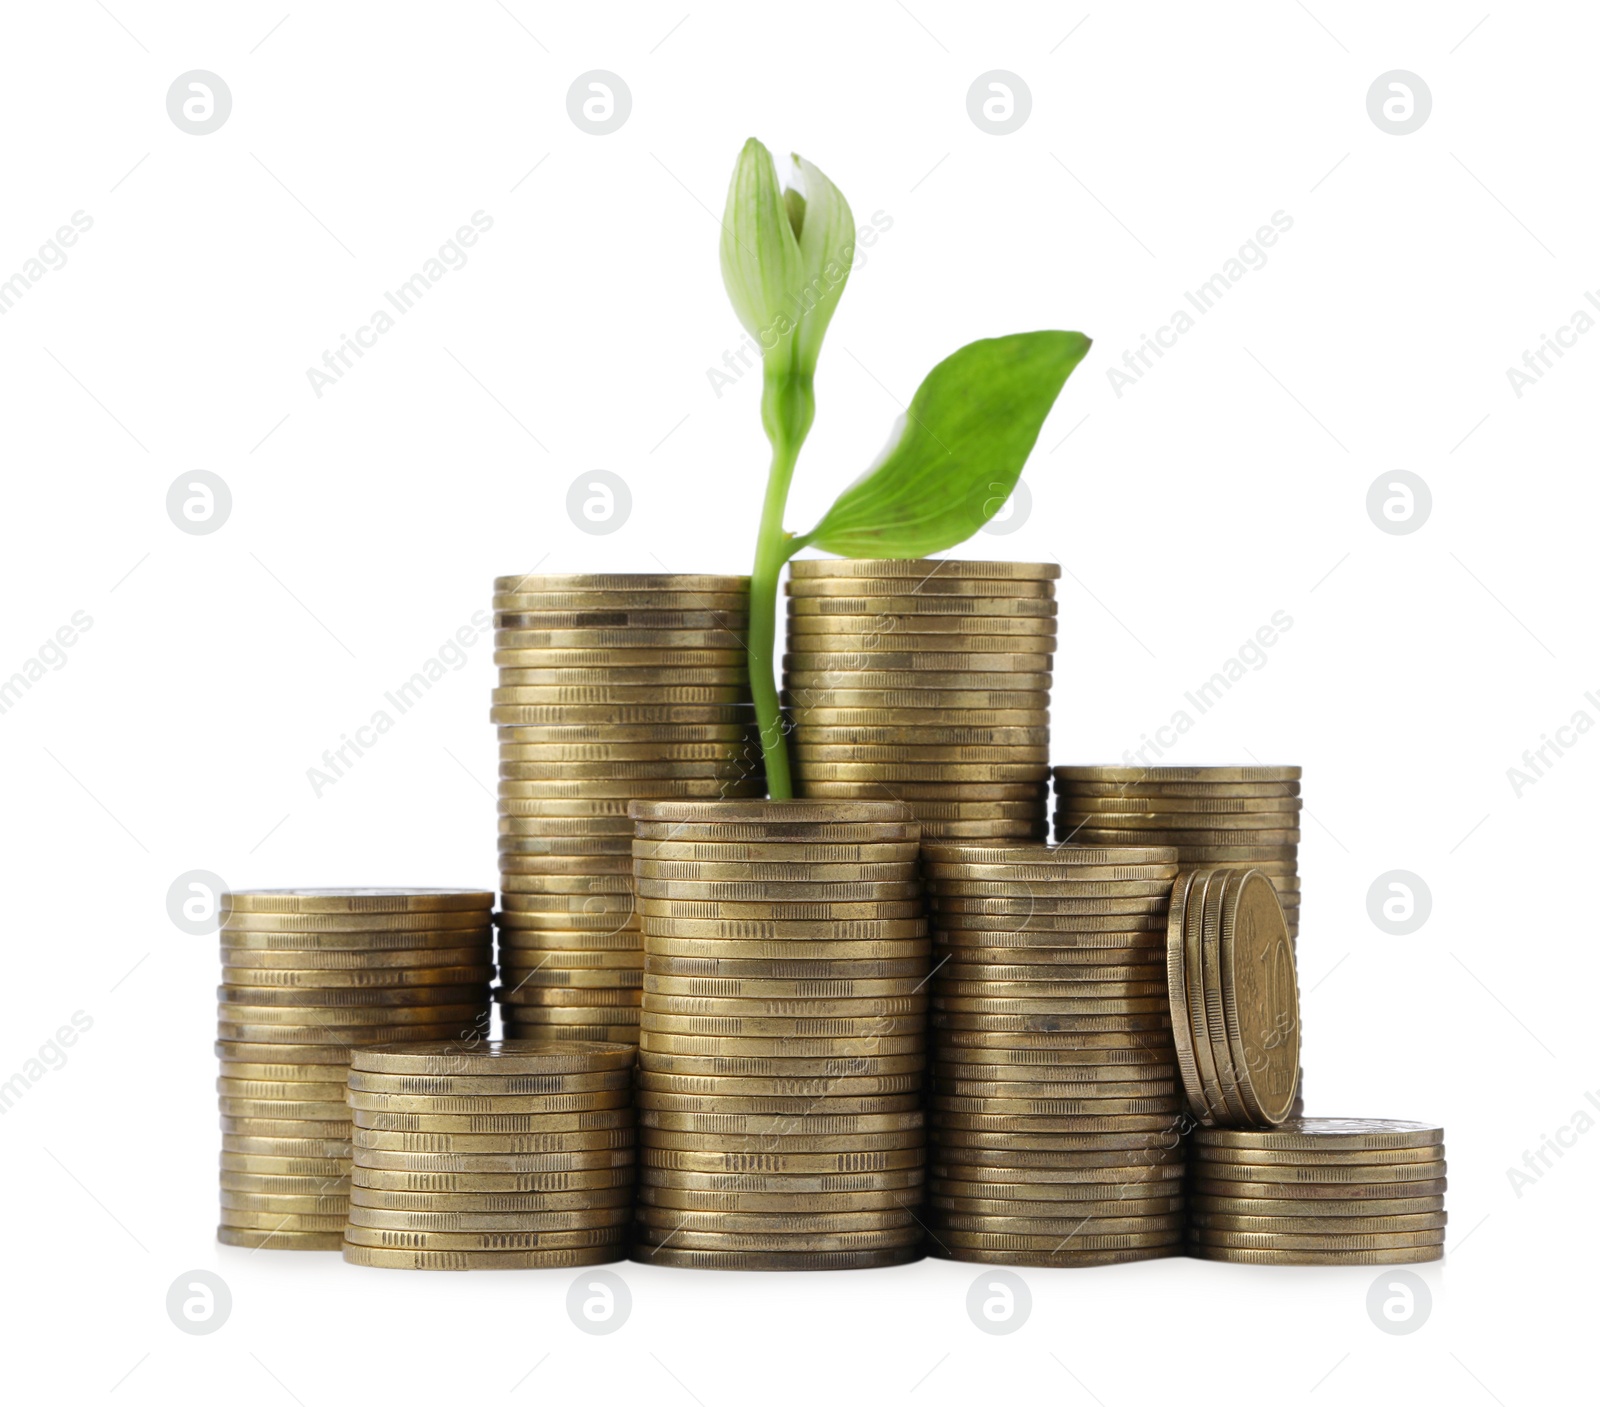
x=827 y=235
x=958 y=451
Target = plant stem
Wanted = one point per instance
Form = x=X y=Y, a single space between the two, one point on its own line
x=773 y=548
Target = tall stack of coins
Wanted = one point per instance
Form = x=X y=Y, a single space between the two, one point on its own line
x=1055 y=1108
x=504 y=1155
x=611 y=688
x=1319 y=1192
x=1233 y=998
x=1247 y=816
x=309 y=974
x=925 y=681
x=782 y=1041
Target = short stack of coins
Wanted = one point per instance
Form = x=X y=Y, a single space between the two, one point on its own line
x=503 y=1155
x=1247 y=816
x=1318 y=1192
x=925 y=681
x=611 y=688
x=783 y=1036
x=308 y=975
x=1233 y=998
x=1055 y=1107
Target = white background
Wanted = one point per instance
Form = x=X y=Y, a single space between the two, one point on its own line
x=367 y=524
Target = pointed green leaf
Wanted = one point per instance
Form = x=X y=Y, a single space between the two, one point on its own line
x=958 y=452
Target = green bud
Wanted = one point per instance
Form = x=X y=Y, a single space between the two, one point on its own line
x=786 y=256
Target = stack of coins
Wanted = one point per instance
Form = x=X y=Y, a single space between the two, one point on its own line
x=782 y=1041
x=1055 y=1107
x=309 y=974
x=611 y=688
x=1319 y=1192
x=505 y=1155
x=1233 y=998
x=925 y=681
x=1247 y=816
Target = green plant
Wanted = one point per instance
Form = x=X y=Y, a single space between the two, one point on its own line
x=956 y=454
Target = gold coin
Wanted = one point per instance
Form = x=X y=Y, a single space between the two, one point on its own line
x=1005 y=1206
x=1318 y=1225
x=989 y=773
x=412 y=1190
x=804 y=989
x=1421 y=1204
x=771 y=813
x=357 y=923
x=1280 y=1158
x=785 y=1105
x=1150 y=775
x=1073 y=1106
x=926 y=737
x=271 y=1147
x=914 y=792
x=795 y=907
x=480 y=1260
x=779 y=873
x=787 y=853
x=658 y=1065
x=285 y=1184
x=908 y=1003
x=669 y=945
x=350 y=1019
x=727 y=601
x=986 y=1088
x=1177 y=791
x=375 y=1163
x=1333 y=1173
x=779 y=1163
x=786 y=1183
x=626 y=732
x=528 y=611
x=502 y=1144
x=1021 y=1164
x=1240 y=1256
x=691 y=1259
x=1050 y=1123
x=280 y=1240
x=1009 y=1144
x=907 y=617
x=848 y=969
x=1080 y=1181
x=922 y=570
x=929 y=588
x=764 y=1142
x=793 y=837
x=560 y=1103
x=381 y=979
x=356 y=1002
x=1335 y=1135
x=525 y=716
x=841 y=680
x=309 y=1110
x=885 y=601
x=601 y=1225
x=352 y=901
x=686 y=1200
x=281 y=1221
x=481 y=1241
x=1059 y=1259
x=808 y=1243
x=1320 y=1192
x=815 y=1027
x=266 y=1165
x=878 y=709
x=330 y=1090
x=339 y=1040
x=497 y=1058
